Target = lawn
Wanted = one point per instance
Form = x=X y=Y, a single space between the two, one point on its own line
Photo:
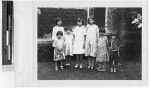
x=129 y=70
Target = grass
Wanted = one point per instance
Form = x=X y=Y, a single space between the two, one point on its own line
x=129 y=70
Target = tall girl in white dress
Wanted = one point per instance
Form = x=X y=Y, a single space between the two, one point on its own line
x=79 y=42
x=57 y=28
x=91 y=42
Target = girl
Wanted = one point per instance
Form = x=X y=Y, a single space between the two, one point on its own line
x=91 y=42
x=57 y=28
x=79 y=42
x=113 y=49
x=69 y=45
x=102 y=52
x=59 y=54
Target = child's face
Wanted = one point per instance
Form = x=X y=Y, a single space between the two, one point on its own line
x=91 y=21
x=59 y=36
x=113 y=37
x=59 y=23
x=68 y=31
x=79 y=23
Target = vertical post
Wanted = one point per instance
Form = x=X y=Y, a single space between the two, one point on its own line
x=88 y=12
x=106 y=20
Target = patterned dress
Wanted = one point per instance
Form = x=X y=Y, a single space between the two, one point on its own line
x=69 y=44
x=91 y=40
x=59 y=51
x=102 y=51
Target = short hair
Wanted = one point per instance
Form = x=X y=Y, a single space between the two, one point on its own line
x=79 y=19
x=68 y=28
x=90 y=18
x=59 y=33
x=58 y=19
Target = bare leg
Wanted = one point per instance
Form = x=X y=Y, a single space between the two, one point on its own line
x=92 y=62
x=77 y=61
x=56 y=65
x=81 y=61
x=61 y=64
x=89 y=62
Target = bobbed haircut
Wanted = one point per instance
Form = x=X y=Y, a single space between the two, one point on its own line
x=79 y=19
x=90 y=18
x=59 y=33
x=58 y=19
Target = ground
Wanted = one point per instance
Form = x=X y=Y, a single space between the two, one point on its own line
x=129 y=70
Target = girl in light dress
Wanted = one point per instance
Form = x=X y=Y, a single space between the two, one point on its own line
x=79 y=33
x=57 y=28
x=102 y=52
x=69 y=38
x=91 y=42
x=59 y=50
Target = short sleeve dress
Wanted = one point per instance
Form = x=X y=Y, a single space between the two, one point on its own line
x=55 y=30
x=91 y=40
x=59 y=51
x=102 y=51
x=79 y=32
x=69 y=44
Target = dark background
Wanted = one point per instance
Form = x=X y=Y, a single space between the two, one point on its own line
x=7 y=11
x=119 y=19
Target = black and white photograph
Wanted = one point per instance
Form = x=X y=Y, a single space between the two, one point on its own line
x=89 y=43
x=61 y=43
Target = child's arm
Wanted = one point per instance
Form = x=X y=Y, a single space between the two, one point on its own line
x=84 y=38
x=97 y=33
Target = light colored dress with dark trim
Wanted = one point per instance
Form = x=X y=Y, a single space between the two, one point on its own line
x=91 y=40
x=102 y=51
x=59 y=51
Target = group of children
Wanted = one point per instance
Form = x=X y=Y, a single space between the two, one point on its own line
x=84 y=40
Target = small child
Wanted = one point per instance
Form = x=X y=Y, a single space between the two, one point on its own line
x=113 y=49
x=79 y=33
x=91 y=42
x=102 y=52
x=59 y=54
x=69 y=45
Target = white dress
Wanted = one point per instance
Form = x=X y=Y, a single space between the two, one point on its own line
x=59 y=53
x=91 y=40
x=79 y=33
x=55 y=30
x=69 y=44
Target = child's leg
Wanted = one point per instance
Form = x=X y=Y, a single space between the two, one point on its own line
x=92 y=61
x=111 y=61
x=68 y=60
x=104 y=66
x=89 y=62
x=115 y=60
x=56 y=65
x=99 y=66
x=77 y=60
x=61 y=64
x=81 y=60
